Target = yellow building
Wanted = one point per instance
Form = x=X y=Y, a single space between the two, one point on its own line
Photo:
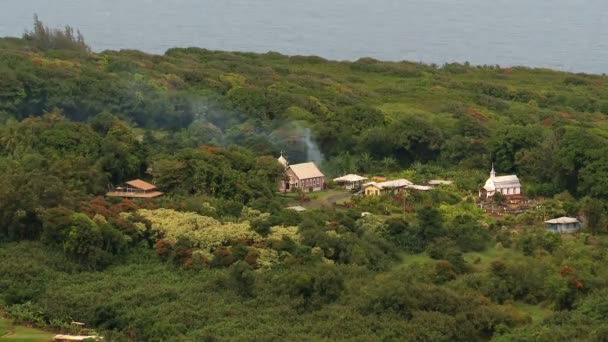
x=373 y=189
x=377 y=189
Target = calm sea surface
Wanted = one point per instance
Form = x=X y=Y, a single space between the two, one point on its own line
x=563 y=34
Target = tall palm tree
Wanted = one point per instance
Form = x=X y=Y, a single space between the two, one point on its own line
x=345 y=163
x=389 y=163
x=365 y=162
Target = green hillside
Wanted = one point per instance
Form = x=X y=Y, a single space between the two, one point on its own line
x=548 y=126
x=217 y=257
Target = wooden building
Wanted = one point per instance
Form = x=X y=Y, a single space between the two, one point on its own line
x=135 y=189
x=350 y=181
x=377 y=189
x=305 y=176
x=394 y=186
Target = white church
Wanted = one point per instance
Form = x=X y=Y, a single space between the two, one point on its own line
x=509 y=186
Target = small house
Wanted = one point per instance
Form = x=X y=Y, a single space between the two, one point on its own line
x=350 y=181
x=563 y=225
x=377 y=189
x=508 y=186
x=373 y=189
x=305 y=176
x=135 y=189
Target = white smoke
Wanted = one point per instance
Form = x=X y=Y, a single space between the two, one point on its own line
x=313 y=152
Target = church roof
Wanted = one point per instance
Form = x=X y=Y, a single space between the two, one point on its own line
x=506 y=179
x=306 y=170
x=502 y=182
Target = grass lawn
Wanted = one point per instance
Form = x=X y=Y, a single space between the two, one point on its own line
x=409 y=259
x=318 y=199
x=10 y=332
x=482 y=260
x=4 y=327
x=343 y=201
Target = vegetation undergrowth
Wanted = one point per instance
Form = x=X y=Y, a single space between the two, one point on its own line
x=218 y=257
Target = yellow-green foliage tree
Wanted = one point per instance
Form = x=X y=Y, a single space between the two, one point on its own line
x=210 y=235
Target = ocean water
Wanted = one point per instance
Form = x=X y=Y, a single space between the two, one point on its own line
x=568 y=35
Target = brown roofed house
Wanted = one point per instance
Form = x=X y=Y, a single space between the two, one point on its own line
x=305 y=176
x=135 y=189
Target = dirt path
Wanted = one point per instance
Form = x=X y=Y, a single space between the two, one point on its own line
x=338 y=197
x=323 y=199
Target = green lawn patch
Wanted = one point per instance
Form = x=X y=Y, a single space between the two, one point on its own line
x=410 y=259
x=4 y=327
x=482 y=260
x=319 y=199
x=10 y=332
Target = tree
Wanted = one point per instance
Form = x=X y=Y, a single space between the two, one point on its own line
x=594 y=212
x=401 y=234
x=499 y=198
x=56 y=225
x=84 y=241
x=44 y=38
x=444 y=248
x=320 y=286
x=592 y=177
x=468 y=233
x=388 y=163
x=510 y=140
x=430 y=224
x=23 y=196
x=242 y=278
x=365 y=162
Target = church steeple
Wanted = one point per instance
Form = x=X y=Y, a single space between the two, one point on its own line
x=282 y=160
x=492 y=173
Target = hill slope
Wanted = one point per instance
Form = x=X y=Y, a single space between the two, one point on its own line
x=528 y=121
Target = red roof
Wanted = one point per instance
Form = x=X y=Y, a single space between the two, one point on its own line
x=140 y=184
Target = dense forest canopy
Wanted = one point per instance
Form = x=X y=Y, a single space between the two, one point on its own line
x=548 y=126
x=217 y=257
